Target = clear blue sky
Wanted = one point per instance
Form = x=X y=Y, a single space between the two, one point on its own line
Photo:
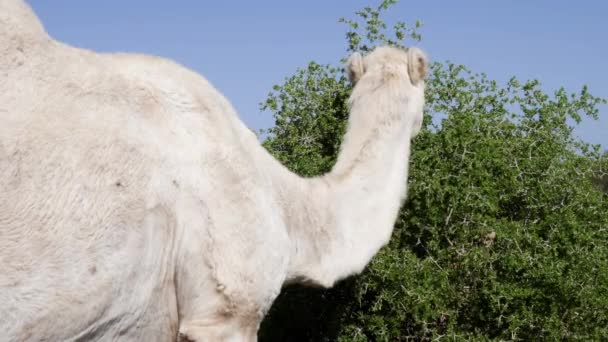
x=245 y=47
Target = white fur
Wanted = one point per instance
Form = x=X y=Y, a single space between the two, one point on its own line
x=134 y=205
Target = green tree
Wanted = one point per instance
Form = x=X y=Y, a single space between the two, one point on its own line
x=504 y=234
x=601 y=176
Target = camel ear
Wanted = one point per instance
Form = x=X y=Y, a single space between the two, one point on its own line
x=355 y=67
x=417 y=65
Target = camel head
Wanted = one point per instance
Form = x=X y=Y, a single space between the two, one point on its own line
x=389 y=76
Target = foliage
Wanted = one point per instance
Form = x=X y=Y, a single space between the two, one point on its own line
x=601 y=176
x=310 y=114
x=504 y=234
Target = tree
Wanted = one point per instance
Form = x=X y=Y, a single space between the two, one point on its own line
x=601 y=177
x=504 y=234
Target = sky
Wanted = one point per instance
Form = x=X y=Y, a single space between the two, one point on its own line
x=245 y=47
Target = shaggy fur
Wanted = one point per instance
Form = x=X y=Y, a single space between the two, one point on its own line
x=134 y=205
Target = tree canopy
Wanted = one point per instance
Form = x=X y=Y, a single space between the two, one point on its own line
x=504 y=233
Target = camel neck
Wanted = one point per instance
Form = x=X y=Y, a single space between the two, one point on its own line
x=337 y=222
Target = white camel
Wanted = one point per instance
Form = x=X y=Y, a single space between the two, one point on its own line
x=134 y=205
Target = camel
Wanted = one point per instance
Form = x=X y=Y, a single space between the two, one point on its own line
x=135 y=205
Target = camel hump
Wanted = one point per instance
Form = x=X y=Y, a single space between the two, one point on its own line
x=19 y=26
